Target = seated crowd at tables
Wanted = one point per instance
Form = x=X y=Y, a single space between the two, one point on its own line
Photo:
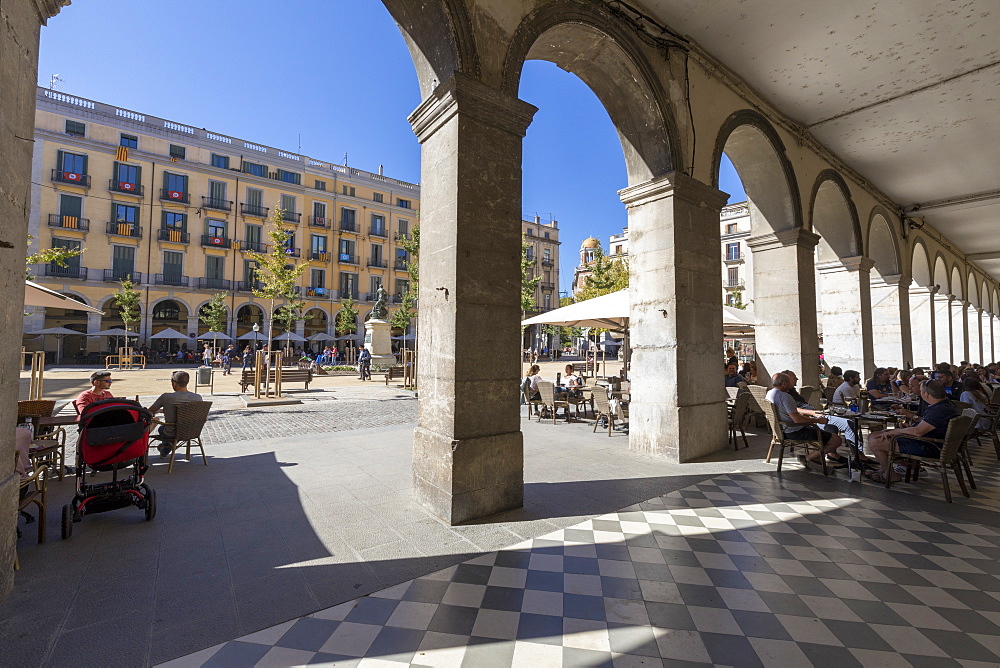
x=930 y=394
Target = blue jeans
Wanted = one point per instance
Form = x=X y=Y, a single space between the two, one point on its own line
x=837 y=424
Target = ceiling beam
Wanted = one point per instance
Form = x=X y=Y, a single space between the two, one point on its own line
x=988 y=255
x=956 y=203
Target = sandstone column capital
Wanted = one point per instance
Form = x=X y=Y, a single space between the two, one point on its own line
x=674 y=184
x=918 y=290
x=846 y=264
x=796 y=236
x=464 y=94
x=48 y=8
x=895 y=280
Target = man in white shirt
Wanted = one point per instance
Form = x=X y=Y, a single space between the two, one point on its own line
x=798 y=425
x=848 y=390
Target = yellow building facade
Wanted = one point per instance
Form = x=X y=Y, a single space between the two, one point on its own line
x=178 y=209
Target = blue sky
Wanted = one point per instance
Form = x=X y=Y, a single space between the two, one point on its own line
x=342 y=79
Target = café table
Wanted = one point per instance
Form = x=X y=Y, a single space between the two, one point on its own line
x=855 y=418
x=57 y=420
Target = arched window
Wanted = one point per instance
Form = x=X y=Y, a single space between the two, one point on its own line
x=167 y=310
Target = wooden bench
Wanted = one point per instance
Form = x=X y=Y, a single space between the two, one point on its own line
x=393 y=372
x=288 y=375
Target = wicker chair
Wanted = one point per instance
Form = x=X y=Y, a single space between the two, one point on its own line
x=603 y=410
x=549 y=401
x=958 y=430
x=529 y=402
x=189 y=420
x=738 y=415
x=32 y=491
x=48 y=447
x=778 y=438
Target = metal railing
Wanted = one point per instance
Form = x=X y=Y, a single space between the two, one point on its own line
x=125 y=229
x=173 y=236
x=249 y=286
x=72 y=178
x=76 y=273
x=118 y=275
x=214 y=284
x=547 y=263
x=217 y=204
x=347 y=226
x=69 y=222
x=347 y=258
x=177 y=196
x=254 y=210
x=292 y=217
x=734 y=284
x=178 y=280
x=349 y=294
x=216 y=242
x=374 y=262
x=400 y=265
x=317 y=292
x=732 y=257
x=547 y=286
x=319 y=221
x=253 y=246
x=126 y=187
x=294 y=252
x=378 y=231
x=321 y=256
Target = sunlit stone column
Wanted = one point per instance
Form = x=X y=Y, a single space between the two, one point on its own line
x=959 y=330
x=922 y=325
x=467 y=452
x=785 y=303
x=942 y=328
x=989 y=352
x=847 y=313
x=974 y=328
x=676 y=317
x=891 y=320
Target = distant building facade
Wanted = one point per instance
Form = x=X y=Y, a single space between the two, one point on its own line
x=543 y=253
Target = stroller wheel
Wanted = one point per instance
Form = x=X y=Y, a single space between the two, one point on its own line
x=67 y=522
x=150 y=503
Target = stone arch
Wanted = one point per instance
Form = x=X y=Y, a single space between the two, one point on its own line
x=957 y=284
x=336 y=318
x=79 y=297
x=940 y=275
x=318 y=323
x=985 y=294
x=248 y=314
x=111 y=317
x=920 y=267
x=616 y=70
x=834 y=217
x=996 y=301
x=972 y=290
x=440 y=38
x=882 y=246
x=203 y=304
x=758 y=154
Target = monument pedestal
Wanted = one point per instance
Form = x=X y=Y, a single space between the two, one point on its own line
x=379 y=343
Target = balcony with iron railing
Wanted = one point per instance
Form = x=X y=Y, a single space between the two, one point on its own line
x=69 y=222
x=249 y=286
x=173 y=236
x=402 y=236
x=319 y=221
x=71 y=178
x=126 y=187
x=214 y=284
x=735 y=285
x=125 y=230
x=547 y=286
x=376 y=231
x=293 y=252
x=119 y=275
x=347 y=258
x=320 y=256
x=75 y=273
x=348 y=226
x=291 y=217
x=176 y=280
x=317 y=292
x=732 y=257
x=253 y=246
x=547 y=263
x=349 y=294
x=216 y=242
x=216 y=204
x=175 y=196
x=377 y=263
x=399 y=265
x=254 y=210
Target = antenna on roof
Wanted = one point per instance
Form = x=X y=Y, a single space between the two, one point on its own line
x=54 y=81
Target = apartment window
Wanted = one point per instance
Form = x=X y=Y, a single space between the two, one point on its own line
x=346 y=250
x=122 y=261
x=289 y=177
x=215 y=228
x=402 y=287
x=255 y=198
x=217 y=193
x=618 y=249
x=404 y=228
x=401 y=258
x=530 y=232
x=547 y=301
x=731 y=228
x=378 y=197
x=249 y=272
x=177 y=152
x=317 y=278
x=318 y=243
x=76 y=128
x=72 y=267
x=403 y=203
x=215 y=267
x=72 y=163
x=174 y=221
x=319 y=210
x=378 y=225
x=253 y=169
x=546 y=235
x=173 y=265
x=288 y=203
x=319 y=185
x=126 y=174
x=547 y=255
x=128 y=141
x=175 y=183
x=734 y=277
x=377 y=255
x=70 y=206
x=348 y=190
x=124 y=213
x=347 y=219
x=290 y=243
x=348 y=285
x=220 y=161
x=374 y=283
x=733 y=251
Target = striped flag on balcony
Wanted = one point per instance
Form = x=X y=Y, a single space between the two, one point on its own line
x=125 y=229
x=175 y=235
x=71 y=222
x=121 y=155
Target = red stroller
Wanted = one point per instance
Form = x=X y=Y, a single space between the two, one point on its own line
x=114 y=435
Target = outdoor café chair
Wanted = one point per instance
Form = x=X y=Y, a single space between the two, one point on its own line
x=188 y=423
x=778 y=438
x=49 y=446
x=549 y=401
x=32 y=491
x=529 y=402
x=958 y=429
x=738 y=415
x=603 y=409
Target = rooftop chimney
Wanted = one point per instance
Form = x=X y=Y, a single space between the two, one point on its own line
x=538 y=219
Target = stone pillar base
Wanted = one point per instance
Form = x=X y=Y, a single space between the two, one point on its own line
x=461 y=480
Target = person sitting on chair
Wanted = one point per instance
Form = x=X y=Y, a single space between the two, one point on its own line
x=167 y=402
x=796 y=424
x=100 y=389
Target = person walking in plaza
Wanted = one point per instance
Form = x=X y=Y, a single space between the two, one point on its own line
x=100 y=389
x=247 y=357
x=364 y=364
x=167 y=402
x=206 y=355
x=227 y=361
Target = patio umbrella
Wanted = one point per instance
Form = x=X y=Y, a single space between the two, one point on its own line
x=37 y=295
x=170 y=334
x=215 y=336
x=116 y=332
x=322 y=336
x=289 y=336
x=252 y=336
x=59 y=333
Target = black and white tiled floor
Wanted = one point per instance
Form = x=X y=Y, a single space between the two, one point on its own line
x=741 y=569
x=985 y=473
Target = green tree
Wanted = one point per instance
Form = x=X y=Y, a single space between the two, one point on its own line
x=214 y=314
x=127 y=303
x=56 y=256
x=738 y=300
x=606 y=276
x=278 y=272
x=411 y=244
x=528 y=284
x=347 y=317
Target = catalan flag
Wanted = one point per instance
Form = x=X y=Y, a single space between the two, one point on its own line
x=71 y=222
x=121 y=155
x=173 y=159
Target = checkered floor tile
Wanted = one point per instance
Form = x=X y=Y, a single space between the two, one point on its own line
x=737 y=570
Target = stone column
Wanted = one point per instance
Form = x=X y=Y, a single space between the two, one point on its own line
x=467 y=452
x=847 y=313
x=959 y=334
x=922 y=325
x=892 y=342
x=942 y=328
x=94 y=325
x=785 y=303
x=988 y=350
x=21 y=20
x=973 y=320
x=675 y=325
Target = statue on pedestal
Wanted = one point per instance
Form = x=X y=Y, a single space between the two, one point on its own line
x=379 y=311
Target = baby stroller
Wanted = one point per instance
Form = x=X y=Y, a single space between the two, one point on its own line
x=114 y=436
